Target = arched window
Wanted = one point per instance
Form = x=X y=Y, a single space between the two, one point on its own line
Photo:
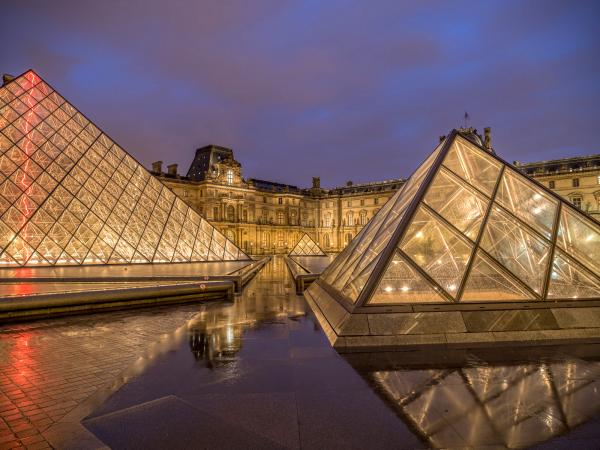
x=348 y=238
x=350 y=218
x=363 y=217
x=229 y=176
x=280 y=218
x=326 y=240
x=327 y=220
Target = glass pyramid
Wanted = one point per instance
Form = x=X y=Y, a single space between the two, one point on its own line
x=354 y=265
x=69 y=195
x=467 y=227
x=307 y=247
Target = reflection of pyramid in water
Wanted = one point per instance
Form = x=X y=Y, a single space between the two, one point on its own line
x=467 y=227
x=306 y=246
x=69 y=195
x=559 y=397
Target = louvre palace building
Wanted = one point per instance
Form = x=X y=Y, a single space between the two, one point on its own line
x=265 y=217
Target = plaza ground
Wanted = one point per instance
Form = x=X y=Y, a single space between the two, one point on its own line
x=259 y=372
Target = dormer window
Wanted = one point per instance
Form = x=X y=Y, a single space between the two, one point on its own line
x=229 y=176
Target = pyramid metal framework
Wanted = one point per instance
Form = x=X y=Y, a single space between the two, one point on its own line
x=69 y=195
x=468 y=227
x=306 y=246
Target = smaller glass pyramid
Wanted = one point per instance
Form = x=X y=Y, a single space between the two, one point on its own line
x=467 y=227
x=69 y=195
x=306 y=246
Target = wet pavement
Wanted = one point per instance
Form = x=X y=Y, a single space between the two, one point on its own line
x=314 y=264
x=259 y=373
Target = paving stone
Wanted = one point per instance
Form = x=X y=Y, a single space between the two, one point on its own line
x=176 y=424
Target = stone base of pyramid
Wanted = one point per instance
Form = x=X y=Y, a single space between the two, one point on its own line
x=451 y=326
x=30 y=293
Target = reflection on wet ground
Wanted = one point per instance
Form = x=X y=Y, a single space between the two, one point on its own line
x=260 y=373
x=478 y=398
x=314 y=264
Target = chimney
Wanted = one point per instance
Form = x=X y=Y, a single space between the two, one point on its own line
x=157 y=167
x=349 y=183
x=316 y=183
x=172 y=169
x=487 y=139
x=442 y=137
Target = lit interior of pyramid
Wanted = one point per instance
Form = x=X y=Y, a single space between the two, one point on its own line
x=306 y=246
x=69 y=195
x=478 y=231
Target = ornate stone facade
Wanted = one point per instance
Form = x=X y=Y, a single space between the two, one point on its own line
x=265 y=217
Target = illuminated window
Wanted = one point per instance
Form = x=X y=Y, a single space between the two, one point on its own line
x=363 y=218
x=350 y=218
x=229 y=176
x=280 y=201
x=576 y=202
x=280 y=218
x=327 y=220
x=185 y=193
x=304 y=219
x=598 y=180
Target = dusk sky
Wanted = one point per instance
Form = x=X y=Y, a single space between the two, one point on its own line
x=344 y=90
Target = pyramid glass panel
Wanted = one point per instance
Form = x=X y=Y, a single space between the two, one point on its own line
x=355 y=264
x=528 y=202
x=569 y=280
x=488 y=282
x=402 y=284
x=518 y=249
x=473 y=165
x=456 y=202
x=580 y=237
x=438 y=250
x=307 y=247
x=56 y=168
